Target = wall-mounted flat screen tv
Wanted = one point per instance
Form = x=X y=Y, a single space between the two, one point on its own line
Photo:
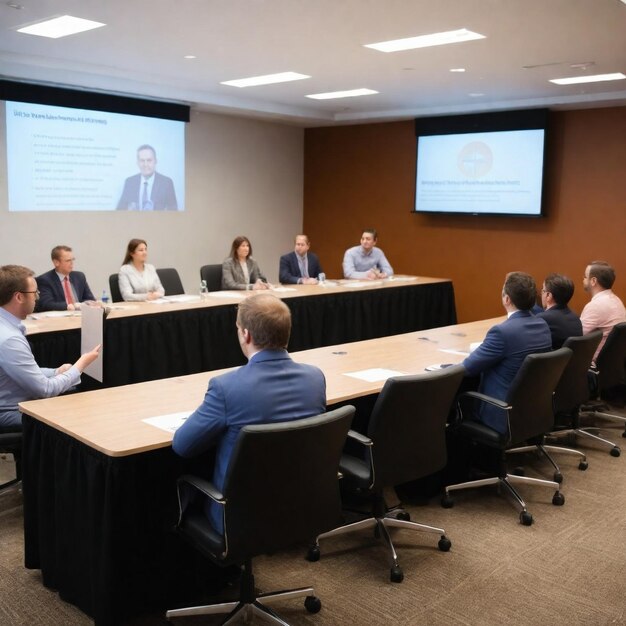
x=483 y=164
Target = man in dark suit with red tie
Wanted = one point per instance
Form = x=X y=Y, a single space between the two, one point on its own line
x=148 y=190
x=62 y=289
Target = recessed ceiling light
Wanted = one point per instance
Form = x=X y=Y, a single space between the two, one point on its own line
x=424 y=41
x=267 y=79
x=475 y=95
x=351 y=93
x=596 y=78
x=457 y=69
x=60 y=27
x=190 y=56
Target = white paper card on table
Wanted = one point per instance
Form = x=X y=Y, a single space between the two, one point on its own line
x=355 y=284
x=402 y=278
x=170 y=422
x=283 y=289
x=61 y=313
x=450 y=351
x=227 y=294
x=91 y=334
x=374 y=374
x=183 y=297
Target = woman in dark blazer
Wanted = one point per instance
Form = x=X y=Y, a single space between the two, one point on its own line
x=240 y=270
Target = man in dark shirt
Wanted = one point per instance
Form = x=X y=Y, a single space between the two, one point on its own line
x=556 y=293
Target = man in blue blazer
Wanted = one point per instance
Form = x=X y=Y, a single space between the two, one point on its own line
x=556 y=292
x=270 y=388
x=62 y=289
x=300 y=266
x=501 y=354
x=148 y=190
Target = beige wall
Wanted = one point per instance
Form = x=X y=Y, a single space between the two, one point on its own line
x=242 y=177
x=362 y=176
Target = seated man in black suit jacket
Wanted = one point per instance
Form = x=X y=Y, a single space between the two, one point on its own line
x=62 y=289
x=300 y=266
x=148 y=190
x=557 y=291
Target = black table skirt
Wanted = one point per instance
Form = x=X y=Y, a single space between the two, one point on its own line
x=162 y=345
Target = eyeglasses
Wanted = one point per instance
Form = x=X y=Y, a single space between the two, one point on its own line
x=36 y=292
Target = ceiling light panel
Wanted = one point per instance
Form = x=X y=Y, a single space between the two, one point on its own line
x=60 y=27
x=351 y=93
x=267 y=79
x=425 y=41
x=595 y=78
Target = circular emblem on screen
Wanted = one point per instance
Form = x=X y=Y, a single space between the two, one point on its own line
x=475 y=159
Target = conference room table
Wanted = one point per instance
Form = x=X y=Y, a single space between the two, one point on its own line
x=99 y=483
x=149 y=341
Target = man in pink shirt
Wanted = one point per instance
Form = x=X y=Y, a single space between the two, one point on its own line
x=605 y=309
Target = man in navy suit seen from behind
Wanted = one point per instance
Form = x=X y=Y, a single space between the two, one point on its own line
x=62 y=289
x=148 y=190
x=556 y=293
x=501 y=354
x=270 y=388
x=300 y=266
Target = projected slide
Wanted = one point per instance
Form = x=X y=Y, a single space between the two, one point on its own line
x=62 y=159
x=489 y=172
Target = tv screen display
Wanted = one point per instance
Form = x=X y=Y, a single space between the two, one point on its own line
x=481 y=165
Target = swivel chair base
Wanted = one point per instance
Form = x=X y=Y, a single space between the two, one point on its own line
x=507 y=481
x=252 y=604
x=543 y=449
x=381 y=525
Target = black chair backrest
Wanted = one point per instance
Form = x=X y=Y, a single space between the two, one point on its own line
x=408 y=424
x=573 y=388
x=282 y=484
x=611 y=361
x=531 y=394
x=213 y=276
x=171 y=281
x=114 y=287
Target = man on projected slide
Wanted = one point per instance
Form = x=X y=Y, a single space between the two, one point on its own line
x=148 y=190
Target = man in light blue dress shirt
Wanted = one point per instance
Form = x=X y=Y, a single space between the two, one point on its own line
x=20 y=377
x=366 y=261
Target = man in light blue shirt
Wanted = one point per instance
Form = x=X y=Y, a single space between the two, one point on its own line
x=366 y=261
x=20 y=377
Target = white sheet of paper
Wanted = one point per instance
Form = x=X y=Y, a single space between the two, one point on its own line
x=183 y=297
x=362 y=283
x=450 y=351
x=227 y=294
x=91 y=334
x=374 y=374
x=169 y=422
x=283 y=289
x=398 y=279
x=60 y=313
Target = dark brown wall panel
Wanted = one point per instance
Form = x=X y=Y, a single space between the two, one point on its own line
x=361 y=176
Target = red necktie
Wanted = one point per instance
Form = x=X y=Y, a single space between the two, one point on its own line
x=68 y=290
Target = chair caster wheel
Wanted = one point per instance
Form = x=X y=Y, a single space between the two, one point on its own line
x=558 y=477
x=583 y=465
x=312 y=604
x=396 y=575
x=518 y=471
x=525 y=518
x=444 y=544
x=624 y=434
x=447 y=502
x=313 y=555
x=404 y=516
x=558 y=499
x=615 y=451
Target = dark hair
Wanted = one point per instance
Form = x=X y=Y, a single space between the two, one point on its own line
x=13 y=278
x=267 y=319
x=55 y=255
x=603 y=273
x=561 y=287
x=520 y=287
x=132 y=246
x=145 y=146
x=236 y=243
x=372 y=232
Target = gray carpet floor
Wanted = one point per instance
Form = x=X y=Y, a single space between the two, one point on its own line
x=568 y=568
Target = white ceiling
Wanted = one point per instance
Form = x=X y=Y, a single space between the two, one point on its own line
x=140 y=52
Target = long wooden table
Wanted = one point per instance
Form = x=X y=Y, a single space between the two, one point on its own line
x=145 y=341
x=99 y=483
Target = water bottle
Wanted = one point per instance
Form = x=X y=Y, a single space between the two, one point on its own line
x=321 y=279
x=204 y=290
x=105 y=297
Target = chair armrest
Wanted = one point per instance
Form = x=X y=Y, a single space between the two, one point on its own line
x=359 y=438
x=202 y=485
x=481 y=397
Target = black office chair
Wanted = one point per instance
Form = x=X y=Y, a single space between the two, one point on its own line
x=11 y=443
x=213 y=276
x=171 y=281
x=611 y=382
x=406 y=441
x=570 y=393
x=281 y=488
x=114 y=286
x=529 y=412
